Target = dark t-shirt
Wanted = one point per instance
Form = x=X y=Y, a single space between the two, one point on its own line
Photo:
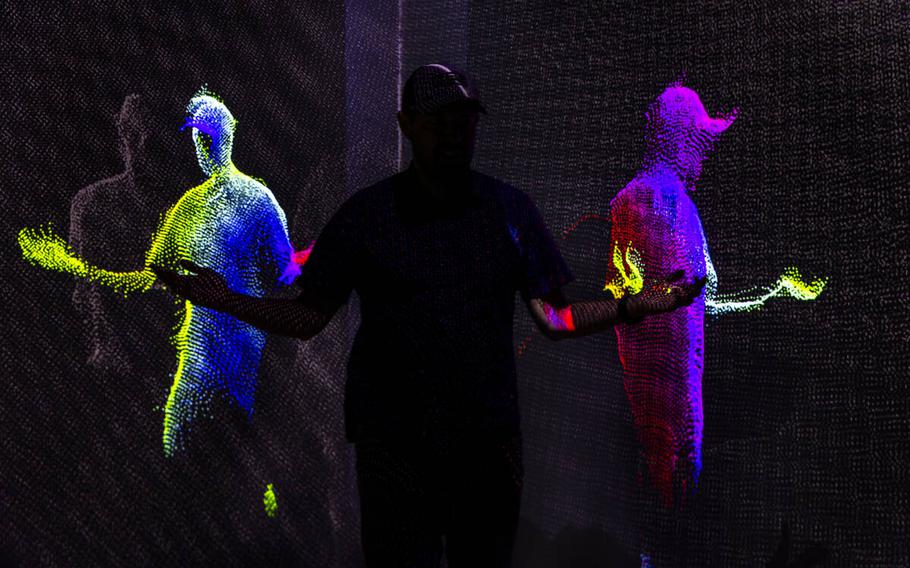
x=434 y=352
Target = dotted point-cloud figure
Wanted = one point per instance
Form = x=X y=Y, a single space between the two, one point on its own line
x=230 y=223
x=656 y=231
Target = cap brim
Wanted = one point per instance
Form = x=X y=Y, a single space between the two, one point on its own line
x=717 y=125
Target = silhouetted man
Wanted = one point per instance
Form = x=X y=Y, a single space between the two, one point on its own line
x=436 y=254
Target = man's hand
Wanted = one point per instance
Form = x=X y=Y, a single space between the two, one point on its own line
x=205 y=288
x=662 y=297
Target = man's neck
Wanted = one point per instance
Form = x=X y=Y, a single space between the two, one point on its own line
x=436 y=189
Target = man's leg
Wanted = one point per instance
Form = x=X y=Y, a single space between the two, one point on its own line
x=485 y=493
x=400 y=509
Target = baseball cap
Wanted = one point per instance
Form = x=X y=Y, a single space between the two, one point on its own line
x=431 y=87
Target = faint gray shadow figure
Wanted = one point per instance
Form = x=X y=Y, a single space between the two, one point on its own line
x=110 y=221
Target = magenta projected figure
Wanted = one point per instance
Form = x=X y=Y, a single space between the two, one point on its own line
x=656 y=231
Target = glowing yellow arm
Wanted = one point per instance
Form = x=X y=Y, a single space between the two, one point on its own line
x=42 y=247
x=625 y=281
x=791 y=284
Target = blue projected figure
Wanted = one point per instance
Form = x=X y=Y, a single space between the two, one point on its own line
x=230 y=223
x=233 y=225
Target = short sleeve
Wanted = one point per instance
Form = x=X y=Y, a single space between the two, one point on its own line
x=275 y=245
x=327 y=277
x=543 y=268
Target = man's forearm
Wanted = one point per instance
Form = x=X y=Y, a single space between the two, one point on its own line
x=273 y=315
x=576 y=319
x=592 y=316
x=559 y=318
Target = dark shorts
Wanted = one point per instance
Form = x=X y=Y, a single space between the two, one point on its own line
x=419 y=499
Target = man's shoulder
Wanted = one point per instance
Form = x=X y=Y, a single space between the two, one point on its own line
x=491 y=183
x=383 y=185
x=368 y=200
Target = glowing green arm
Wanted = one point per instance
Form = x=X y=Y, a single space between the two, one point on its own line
x=42 y=247
x=790 y=284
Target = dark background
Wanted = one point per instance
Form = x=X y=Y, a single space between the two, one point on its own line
x=807 y=409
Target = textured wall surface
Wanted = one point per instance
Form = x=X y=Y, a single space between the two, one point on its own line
x=84 y=475
x=806 y=405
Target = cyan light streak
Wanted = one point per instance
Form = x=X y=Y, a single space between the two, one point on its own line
x=656 y=221
x=790 y=285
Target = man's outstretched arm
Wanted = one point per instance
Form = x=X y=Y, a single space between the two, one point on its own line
x=557 y=318
x=207 y=288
